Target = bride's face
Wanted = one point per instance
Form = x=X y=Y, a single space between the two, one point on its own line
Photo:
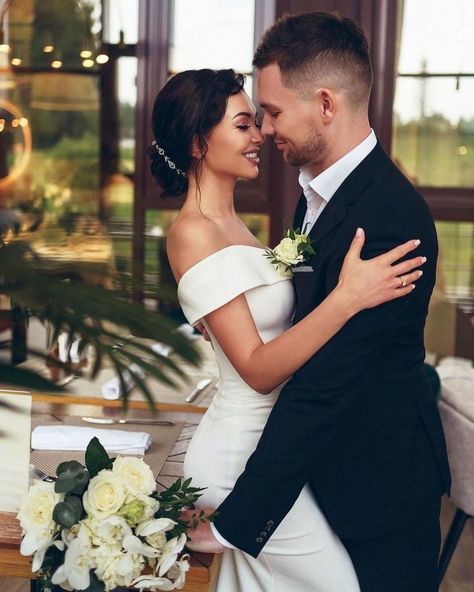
x=233 y=145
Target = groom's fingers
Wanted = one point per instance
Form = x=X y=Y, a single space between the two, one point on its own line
x=399 y=252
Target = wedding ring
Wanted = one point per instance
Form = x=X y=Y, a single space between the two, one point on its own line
x=403 y=282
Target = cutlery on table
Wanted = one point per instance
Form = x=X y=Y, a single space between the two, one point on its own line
x=200 y=386
x=141 y=421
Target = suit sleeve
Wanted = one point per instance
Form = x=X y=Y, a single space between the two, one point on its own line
x=302 y=424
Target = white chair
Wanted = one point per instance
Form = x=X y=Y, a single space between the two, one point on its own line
x=456 y=407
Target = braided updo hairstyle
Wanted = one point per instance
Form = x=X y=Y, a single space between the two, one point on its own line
x=189 y=106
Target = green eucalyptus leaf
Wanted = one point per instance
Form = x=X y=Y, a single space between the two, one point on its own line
x=68 y=512
x=69 y=469
x=97 y=458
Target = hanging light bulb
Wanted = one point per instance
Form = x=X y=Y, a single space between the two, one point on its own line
x=102 y=58
x=4 y=47
x=88 y=63
x=48 y=43
x=86 y=53
x=56 y=64
x=16 y=61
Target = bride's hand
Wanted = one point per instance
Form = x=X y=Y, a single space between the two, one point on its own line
x=365 y=284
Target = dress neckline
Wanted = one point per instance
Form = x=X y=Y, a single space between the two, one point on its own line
x=215 y=253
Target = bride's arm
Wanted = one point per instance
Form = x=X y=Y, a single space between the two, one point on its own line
x=362 y=284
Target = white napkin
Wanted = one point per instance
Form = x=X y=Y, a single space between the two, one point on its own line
x=61 y=437
x=112 y=389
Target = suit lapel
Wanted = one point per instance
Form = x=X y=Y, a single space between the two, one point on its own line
x=300 y=212
x=350 y=190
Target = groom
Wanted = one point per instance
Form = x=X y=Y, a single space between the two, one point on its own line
x=358 y=421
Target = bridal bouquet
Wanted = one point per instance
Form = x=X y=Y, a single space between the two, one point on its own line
x=104 y=525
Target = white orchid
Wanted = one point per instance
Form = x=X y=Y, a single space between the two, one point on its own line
x=36 y=542
x=78 y=560
x=170 y=553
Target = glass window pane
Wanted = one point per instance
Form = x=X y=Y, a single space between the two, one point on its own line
x=212 y=34
x=433 y=137
x=456 y=262
x=121 y=16
x=433 y=119
x=437 y=37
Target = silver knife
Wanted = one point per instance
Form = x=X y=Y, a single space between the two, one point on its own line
x=111 y=421
x=200 y=386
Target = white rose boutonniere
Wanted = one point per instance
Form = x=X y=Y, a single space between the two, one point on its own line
x=294 y=249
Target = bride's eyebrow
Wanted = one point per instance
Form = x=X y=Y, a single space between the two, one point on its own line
x=245 y=113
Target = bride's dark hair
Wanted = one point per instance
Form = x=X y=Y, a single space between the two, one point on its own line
x=188 y=107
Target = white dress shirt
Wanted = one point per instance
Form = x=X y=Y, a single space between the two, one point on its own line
x=318 y=191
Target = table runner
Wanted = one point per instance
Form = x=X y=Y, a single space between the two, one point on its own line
x=163 y=440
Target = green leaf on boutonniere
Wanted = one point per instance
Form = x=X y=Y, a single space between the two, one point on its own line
x=97 y=458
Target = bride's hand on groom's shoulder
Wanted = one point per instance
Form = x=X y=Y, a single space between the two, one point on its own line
x=367 y=283
x=199 y=533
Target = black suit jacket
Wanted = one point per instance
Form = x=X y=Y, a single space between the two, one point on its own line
x=358 y=421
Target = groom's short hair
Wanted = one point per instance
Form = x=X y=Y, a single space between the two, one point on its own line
x=321 y=49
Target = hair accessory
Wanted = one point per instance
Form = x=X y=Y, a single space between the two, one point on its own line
x=168 y=160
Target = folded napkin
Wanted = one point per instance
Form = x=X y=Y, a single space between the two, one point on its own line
x=62 y=437
x=112 y=390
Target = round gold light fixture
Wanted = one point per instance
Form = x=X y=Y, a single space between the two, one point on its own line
x=21 y=149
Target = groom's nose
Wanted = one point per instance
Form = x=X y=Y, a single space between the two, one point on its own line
x=267 y=128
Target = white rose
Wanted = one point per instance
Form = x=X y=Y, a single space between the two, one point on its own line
x=105 y=495
x=36 y=510
x=136 y=475
x=287 y=252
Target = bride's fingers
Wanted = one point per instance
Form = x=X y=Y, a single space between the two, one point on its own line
x=409 y=278
x=356 y=244
x=407 y=266
x=399 y=252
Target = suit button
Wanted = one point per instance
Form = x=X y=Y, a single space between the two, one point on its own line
x=267 y=528
x=263 y=533
x=259 y=540
x=270 y=523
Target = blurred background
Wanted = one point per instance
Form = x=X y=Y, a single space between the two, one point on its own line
x=77 y=83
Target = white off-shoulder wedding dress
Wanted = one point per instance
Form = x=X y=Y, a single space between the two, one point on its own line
x=303 y=554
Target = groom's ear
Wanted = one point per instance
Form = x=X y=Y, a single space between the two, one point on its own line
x=326 y=100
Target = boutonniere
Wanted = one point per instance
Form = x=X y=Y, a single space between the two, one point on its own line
x=294 y=249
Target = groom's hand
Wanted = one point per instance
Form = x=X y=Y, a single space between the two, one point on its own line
x=201 y=538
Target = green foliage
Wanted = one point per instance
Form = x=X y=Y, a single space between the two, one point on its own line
x=97 y=458
x=68 y=512
x=72 y=478
x=173 y=500
x=98 y=317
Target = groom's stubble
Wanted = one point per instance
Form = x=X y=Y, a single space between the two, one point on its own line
x=312 y=150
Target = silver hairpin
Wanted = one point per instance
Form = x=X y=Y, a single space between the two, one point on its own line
x=168 y=160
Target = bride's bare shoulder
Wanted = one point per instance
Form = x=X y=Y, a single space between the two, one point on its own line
x=190 y=238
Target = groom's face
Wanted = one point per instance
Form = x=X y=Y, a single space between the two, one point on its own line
x=290 y=119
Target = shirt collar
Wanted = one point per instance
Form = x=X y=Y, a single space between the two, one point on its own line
x=328 y=182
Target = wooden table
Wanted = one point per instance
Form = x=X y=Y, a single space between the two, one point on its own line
x=203 y=566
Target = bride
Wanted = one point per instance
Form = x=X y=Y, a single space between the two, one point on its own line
x=206 y=137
